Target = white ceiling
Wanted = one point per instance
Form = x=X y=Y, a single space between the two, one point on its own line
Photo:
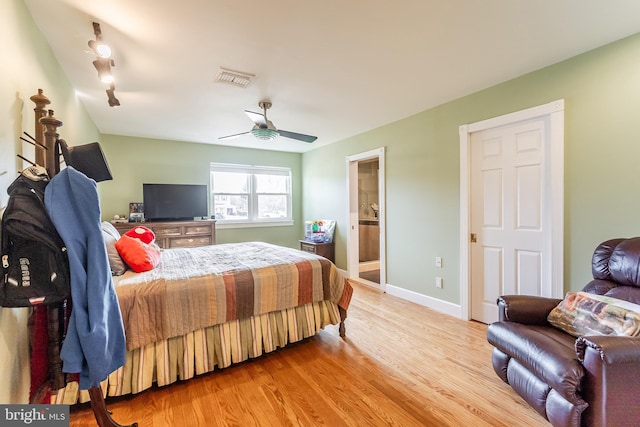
x=332 y=68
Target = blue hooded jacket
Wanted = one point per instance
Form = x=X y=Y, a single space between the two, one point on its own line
x=95 y=343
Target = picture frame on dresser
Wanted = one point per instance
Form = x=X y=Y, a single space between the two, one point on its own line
x=136 y=212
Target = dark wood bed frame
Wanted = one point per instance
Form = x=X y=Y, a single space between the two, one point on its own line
x=46 y=155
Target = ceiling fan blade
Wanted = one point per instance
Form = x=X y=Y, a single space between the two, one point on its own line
x=233 y=136
x=257 y=118
x=298 y=136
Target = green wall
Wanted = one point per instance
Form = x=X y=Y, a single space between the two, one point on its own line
x=134 y=161
x=29 y=64
x=601 y=89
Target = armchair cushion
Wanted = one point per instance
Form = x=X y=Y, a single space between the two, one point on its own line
x=627 y=293
x=545 y=351
x=581 y=313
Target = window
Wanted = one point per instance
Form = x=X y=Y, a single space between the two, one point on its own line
x=250 y=194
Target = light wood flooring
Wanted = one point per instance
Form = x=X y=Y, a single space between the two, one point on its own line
x=400 y=365
x=372 y=276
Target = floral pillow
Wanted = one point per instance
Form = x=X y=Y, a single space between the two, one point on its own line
x=582 y=313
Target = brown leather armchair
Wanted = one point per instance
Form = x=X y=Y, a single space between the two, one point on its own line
x=588 y=381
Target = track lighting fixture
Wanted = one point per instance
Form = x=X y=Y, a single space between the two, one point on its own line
x=101 y=49
x=103 y=63
x=113 y=101
x=98 y=46
x=103 y=66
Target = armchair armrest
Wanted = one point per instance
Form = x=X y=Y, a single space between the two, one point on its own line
x=611 y=349
x=612 y=365
x=526 y=309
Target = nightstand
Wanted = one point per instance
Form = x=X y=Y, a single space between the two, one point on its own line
x=325 y=249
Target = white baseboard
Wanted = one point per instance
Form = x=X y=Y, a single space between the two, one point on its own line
x=433 y=303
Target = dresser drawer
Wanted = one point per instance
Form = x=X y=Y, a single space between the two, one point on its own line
x=307 y=247
x=167 y=231
x=189 y=242
x=197 y=229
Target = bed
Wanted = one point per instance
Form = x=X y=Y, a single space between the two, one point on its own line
x=209 y=307
x=214 y=307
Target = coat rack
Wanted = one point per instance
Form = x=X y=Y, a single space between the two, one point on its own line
x=46 y=136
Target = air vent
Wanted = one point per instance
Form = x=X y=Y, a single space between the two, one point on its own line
x=236 y=78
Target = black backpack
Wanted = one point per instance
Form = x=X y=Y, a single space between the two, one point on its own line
x=35 y=265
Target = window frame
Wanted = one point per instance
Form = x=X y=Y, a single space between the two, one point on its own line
x=253 y=209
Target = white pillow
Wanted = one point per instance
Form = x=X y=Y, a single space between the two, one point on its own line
x=111 y=236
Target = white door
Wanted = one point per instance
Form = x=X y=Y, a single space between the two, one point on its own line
x=507 y=215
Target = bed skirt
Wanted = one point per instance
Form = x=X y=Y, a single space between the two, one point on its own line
x=201 y=351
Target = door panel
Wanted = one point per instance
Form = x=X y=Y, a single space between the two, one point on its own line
x=492 y=203
x=507 y=194
x=528 y=272
x=528 y=190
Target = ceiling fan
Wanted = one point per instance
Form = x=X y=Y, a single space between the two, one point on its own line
x=264 y=128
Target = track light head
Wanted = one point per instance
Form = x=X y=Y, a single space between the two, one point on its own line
x=113 y=101
x=103 y=66
x=102 y=50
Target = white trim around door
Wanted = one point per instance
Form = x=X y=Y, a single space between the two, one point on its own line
x=554 y=153
x=352 y=214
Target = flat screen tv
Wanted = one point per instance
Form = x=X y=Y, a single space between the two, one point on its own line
x=173 y=202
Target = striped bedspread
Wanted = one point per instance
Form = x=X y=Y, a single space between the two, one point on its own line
x=194 y=288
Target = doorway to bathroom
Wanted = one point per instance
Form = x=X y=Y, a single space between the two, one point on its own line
x=368 y=220
x=366 y=246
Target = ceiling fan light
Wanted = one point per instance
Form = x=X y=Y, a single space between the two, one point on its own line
x=265 y=134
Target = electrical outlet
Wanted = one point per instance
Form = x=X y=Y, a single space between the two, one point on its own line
x=438 y=282
x=439 y=261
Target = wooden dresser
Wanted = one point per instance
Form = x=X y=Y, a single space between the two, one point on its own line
x=177 y=234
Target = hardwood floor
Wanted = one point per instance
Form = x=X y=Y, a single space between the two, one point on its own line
x=372 y=276
x=400 y=365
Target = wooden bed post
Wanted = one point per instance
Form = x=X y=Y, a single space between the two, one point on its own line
x=41 y=102
x=103 y=417
x=343 y=317
x=51 y=125
x=47 y=135
x=56 y=328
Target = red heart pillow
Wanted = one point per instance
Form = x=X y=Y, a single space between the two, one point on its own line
x=142 y=233
x=137 y=254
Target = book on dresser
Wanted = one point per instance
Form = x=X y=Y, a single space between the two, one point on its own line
x=177 y=234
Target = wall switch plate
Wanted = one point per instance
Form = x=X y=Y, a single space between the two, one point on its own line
x=438 y=261
x=438 y=282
